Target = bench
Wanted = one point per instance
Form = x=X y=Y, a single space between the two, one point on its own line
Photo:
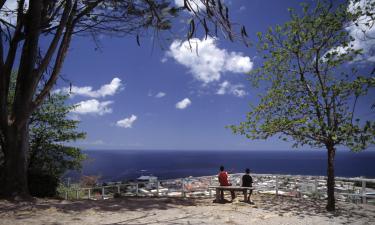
x=228 y=188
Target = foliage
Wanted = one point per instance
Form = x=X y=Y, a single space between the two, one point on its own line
x=50 y=130
x=55 y=23
x=363 y=17
x=42 y=183
x=311 y=86
x=63 y=191
x=311 y=90
x=89 y=181
x=49 y=157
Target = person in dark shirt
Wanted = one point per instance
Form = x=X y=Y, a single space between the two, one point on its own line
x=223 y=180
x=247 y=181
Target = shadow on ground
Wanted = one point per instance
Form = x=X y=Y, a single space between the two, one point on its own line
x=312 y=207
x=114 y=205
x=346 y=213
x=144 y=206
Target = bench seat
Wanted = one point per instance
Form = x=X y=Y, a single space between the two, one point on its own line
x=228 y=188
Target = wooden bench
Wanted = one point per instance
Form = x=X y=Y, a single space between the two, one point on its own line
x=228 y=188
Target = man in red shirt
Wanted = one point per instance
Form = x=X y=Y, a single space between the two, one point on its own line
x=223 y=180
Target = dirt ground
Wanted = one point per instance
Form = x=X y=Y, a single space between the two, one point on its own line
x=267 y=209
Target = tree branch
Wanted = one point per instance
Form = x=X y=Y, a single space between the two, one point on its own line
x=6 y=23
x=87 y=10
x=48 y=56
x=312 y=97
x=1 y=51
x=2 y=2
x=6 y=68
x=353 y=109
x=64 y=46
x=26 y=82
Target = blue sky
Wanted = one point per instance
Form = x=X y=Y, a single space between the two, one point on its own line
x=151 y=97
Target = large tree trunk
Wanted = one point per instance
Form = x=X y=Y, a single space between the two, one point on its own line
x=331 y=178
x=15 y=171
x=14 y=119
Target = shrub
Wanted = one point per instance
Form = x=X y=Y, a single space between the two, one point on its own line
x=42 y=184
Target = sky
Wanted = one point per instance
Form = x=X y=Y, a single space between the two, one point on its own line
x=165 y=97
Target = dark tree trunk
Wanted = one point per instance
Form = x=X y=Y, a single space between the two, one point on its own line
x=331 y=178
x=15 y=171
x=14 y=119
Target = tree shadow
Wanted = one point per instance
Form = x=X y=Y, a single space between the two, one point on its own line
x=126 y=203
x=347 y=213
x=111 y=205
x=283 y=205
x=143 y=206
x=170 y=221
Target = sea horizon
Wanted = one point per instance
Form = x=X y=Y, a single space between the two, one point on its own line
x=120 y=165
x=233 y=150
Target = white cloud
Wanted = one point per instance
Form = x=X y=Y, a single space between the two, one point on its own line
x=73 y=116
x=237 y=63
x=183 y=103
x=206 y=61
x=234 y=89
x=242 y=8
x=93 y=107
x=98 y=142
x=160 y=95
x=127 y=122
x=197 y=5
x=105 y=90
x=363 y=32
x=8 y=12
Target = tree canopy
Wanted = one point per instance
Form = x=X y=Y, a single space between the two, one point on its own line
x=311 y=88
x=50 y=132
x=55 y=23
x=50 y=155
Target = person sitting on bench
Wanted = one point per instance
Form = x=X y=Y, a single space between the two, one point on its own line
x=223 y=180
x=247 y=181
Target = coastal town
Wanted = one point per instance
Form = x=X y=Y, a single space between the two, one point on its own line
x=187 y=112
x=355 y=190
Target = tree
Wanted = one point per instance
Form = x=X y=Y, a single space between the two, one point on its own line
x=49 y=157
x=50 y=130
x=57 y=22
x=311 y=88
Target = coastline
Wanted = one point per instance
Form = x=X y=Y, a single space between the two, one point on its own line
x=193 y=208
x=121 y=165
x=355 y=190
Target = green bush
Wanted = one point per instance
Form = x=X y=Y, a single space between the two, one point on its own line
x=42 y=184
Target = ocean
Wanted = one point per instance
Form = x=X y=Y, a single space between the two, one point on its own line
x=119 y=165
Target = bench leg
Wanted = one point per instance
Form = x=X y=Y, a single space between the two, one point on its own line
x=232 y=195
x=217 y=195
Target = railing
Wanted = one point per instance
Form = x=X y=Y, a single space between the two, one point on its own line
x=172 y=188
x=346 y=189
